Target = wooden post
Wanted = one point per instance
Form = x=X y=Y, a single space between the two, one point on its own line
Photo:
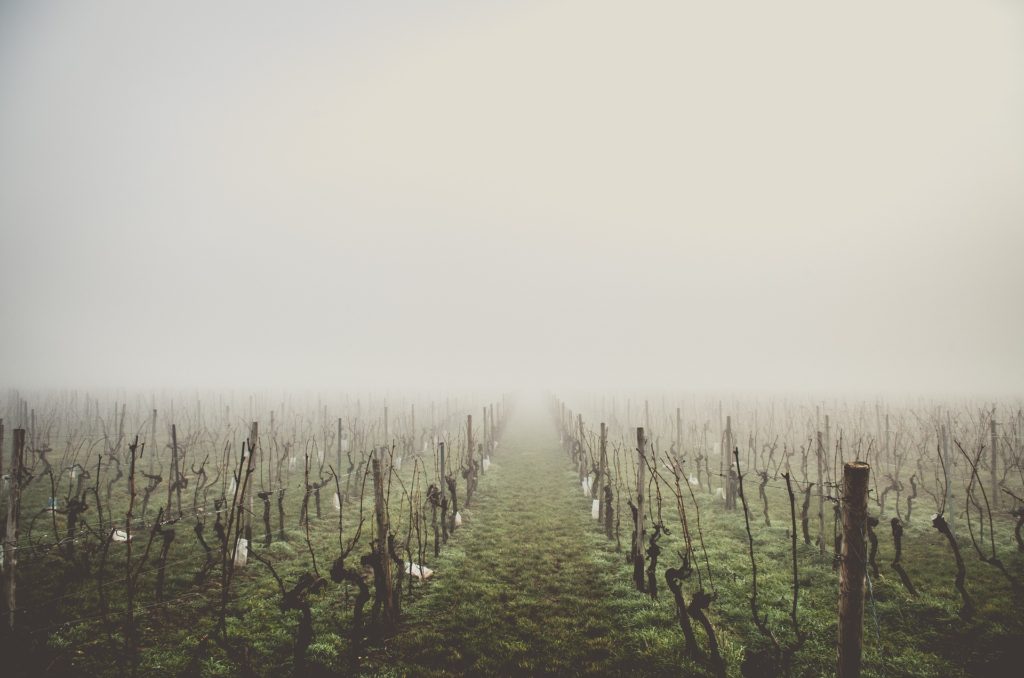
x=581 y=461
x=177 y=472
x=129 y=582
x=821 y=498
x=483 y=452
x=154 y=450
x=380 y=511
x=828 y=442
x=994 y=492
x=852 y=568
x=444 y=471
x=172 y=476
x=730 y=485
x=949 y=512
x=601 y=473
x=722 y=461
x=639 y=551
x=469 y=437
x=11 y=535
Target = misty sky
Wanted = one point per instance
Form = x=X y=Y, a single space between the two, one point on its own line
x=706 y=195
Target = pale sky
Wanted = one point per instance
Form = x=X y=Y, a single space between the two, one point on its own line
x=686 y=195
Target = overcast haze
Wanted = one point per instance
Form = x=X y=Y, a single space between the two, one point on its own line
x=727 y=195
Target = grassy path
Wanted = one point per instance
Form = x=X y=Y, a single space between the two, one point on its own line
x=525 y=587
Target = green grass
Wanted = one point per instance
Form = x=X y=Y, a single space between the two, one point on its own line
x=529 y=585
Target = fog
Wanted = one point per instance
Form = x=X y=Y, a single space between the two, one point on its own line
x=727 y=195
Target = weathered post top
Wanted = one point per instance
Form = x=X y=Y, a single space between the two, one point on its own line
x=852 y=569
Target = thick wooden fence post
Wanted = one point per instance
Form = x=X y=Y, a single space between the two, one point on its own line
x=852 y=568
x=641 y=485
x=469 y=437
x=11 y=535
x=383 y=529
